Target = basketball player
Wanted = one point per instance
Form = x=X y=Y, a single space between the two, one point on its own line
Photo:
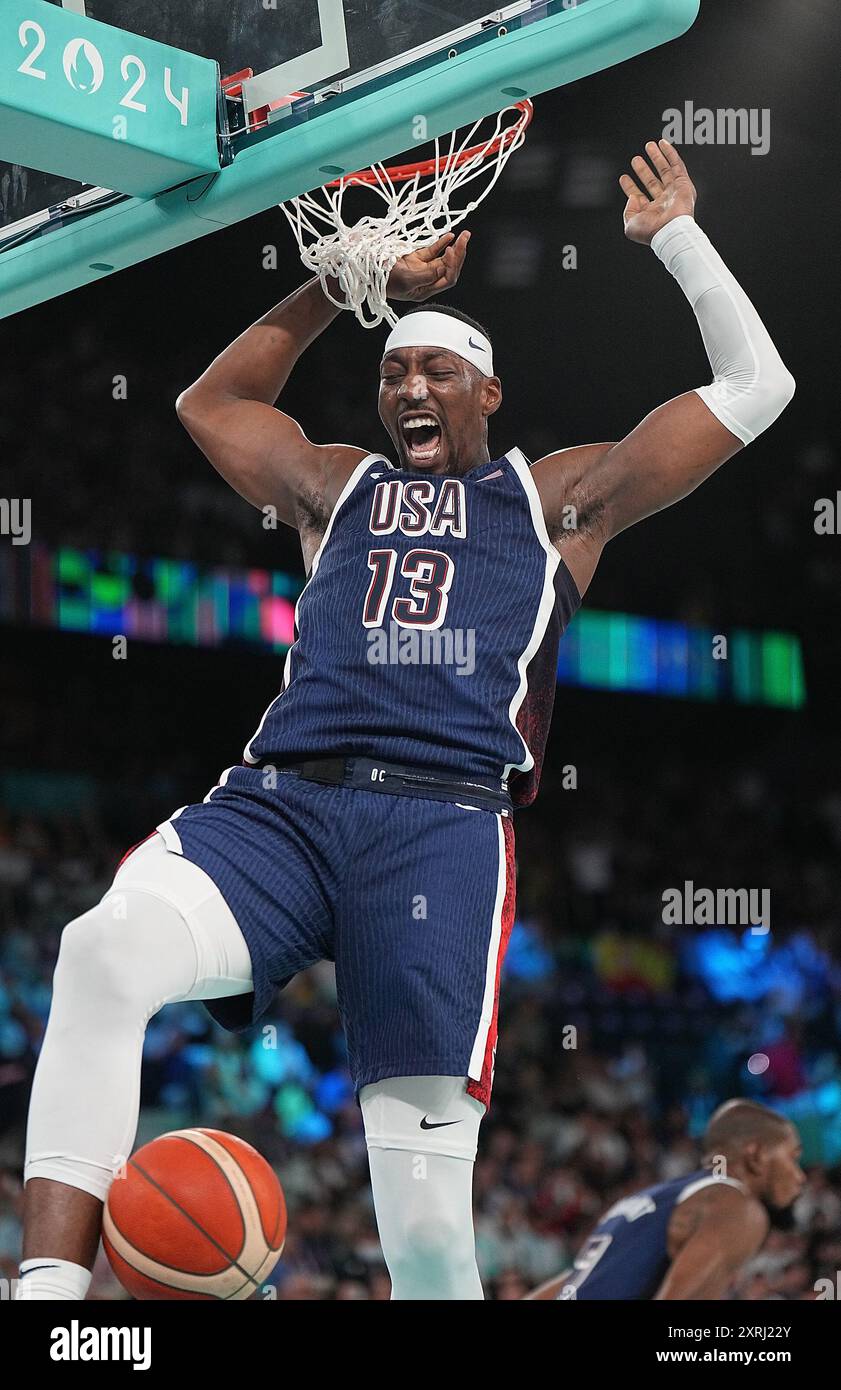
x=370 y=822
x=688 y=1239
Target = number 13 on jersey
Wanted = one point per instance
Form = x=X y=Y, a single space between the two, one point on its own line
x=430 y=574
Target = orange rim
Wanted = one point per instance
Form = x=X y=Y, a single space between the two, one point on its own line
x=400 y=173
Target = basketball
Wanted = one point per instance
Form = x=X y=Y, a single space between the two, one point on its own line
x=198 y=1214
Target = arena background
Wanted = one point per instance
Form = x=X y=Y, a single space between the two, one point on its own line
x=723 y=792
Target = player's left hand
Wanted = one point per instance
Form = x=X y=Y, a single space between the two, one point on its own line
x=429 y=270
x=670 y=192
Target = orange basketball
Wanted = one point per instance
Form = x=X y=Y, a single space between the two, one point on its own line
x=198 y=1214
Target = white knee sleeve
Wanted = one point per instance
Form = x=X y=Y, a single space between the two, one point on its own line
x=423 y=1114
x=162 y=933
x=422 y=1133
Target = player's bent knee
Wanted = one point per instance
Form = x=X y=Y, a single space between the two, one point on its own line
x=94 y=957
x=110 y=954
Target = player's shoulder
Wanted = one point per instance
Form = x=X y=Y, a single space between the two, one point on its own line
x=339 y=463
x=318 y=498
x=720 y=1201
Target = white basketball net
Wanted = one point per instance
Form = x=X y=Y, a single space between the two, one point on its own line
x=418 y=210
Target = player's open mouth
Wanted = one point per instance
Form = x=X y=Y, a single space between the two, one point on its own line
x=421 y=435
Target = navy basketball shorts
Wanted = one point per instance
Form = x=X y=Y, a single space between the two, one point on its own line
x=412 y=898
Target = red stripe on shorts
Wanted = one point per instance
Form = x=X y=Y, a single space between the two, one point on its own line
x=481 y=1089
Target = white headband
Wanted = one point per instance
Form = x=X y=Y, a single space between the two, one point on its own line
x=431 y=329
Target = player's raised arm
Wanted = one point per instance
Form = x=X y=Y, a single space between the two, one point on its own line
x=682 y=442
x=730 y=1229
x=230 y=411
x=260 y=451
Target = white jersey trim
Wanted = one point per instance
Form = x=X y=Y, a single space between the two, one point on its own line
x=348 y=488
x=707 y=1182
x=169 y=834
x=545 y=607
x=480 y=1042
x=167 y=830
x=221 y=783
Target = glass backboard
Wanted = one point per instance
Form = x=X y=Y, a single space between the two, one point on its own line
x=368 y=67
x=283 y=44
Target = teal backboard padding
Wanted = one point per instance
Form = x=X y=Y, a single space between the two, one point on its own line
x=344 y=134
x=100 y=105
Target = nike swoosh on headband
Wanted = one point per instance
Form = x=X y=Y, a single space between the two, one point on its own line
x=431 y=328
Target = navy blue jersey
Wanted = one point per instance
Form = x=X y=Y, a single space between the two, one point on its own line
x=427 y=633
x=627 y=1255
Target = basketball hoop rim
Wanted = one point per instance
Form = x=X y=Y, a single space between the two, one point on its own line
x=401 y=173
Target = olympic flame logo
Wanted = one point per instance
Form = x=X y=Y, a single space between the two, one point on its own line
x=83 y=66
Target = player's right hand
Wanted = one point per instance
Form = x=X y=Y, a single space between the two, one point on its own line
x=430 y=270
x=667 y=192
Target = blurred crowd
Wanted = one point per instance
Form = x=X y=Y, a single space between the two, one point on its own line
x=619 y=1035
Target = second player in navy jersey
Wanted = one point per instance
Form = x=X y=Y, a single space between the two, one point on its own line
x=690 y=1238
x=369 y=821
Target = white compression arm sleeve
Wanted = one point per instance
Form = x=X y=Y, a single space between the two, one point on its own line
x=751 y=384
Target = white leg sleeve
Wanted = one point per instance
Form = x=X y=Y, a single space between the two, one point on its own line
x=163 y=932
x=751 y=385
x=422 y=1133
